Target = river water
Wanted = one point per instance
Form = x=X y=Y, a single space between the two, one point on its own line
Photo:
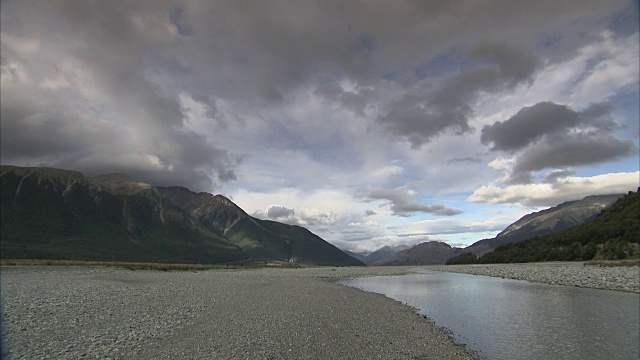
x=513 y=319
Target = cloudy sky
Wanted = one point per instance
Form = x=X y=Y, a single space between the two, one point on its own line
x=369 y=122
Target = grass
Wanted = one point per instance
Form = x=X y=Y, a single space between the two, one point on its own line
x=626 y=262
x=141 y=265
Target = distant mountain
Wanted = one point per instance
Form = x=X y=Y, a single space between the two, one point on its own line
x=362 y=256
x=50 y=213
x=427 y=253
x=613 y=235
x=549 y=221
x=379 y=254
x=384 y=252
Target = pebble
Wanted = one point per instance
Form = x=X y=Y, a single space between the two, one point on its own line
x=112 y=313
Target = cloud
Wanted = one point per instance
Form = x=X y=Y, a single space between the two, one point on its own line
x=576 y=150
x=467 y=159
x=88 y=104
x=548 y=135
x=308 y=103
x=532 y=123
x=448 y=226
x=401 y=203
x=552 y=194
x=40 y=130
x=386 y=172
x=314 y=218
x=277 y=212
x=165 y=71
x=557 y=175
x=436 y=107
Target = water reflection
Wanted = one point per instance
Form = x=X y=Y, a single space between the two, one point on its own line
x=510 y=319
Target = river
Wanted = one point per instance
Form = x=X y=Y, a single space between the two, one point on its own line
x=514 y=319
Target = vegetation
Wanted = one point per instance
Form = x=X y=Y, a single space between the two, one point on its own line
x=613 y=235
x=62 y=215
x=54 y=214
x=464 y=258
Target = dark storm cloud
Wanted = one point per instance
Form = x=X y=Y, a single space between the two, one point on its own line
x=354 y=101
x=99 y=91
x=401 y=203
x=549 y=135
x=141 y=132
x=256 y=49
x=38 y=130
x=573 y=151
x=514 y=64
x=446 y=106
x=532 y=123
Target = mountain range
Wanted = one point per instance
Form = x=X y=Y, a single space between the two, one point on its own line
x=51 y=213
x=426 y=253
x=549 y=221
x=613 y=235
x=379 y=254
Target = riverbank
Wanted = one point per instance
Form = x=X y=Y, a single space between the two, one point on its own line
x=97 y=312
x=618 y=278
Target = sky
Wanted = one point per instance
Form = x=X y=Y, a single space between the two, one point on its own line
x=371 y=123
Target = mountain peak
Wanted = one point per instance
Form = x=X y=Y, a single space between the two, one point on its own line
x=426 y=253
x=120 y=183
x=221 y=199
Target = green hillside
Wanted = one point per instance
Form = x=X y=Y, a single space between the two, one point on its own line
x=613 y=235
x=58 y=214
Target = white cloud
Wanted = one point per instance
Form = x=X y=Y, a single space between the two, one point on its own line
x=618 y=67
x=440 y=227
x=598 y=70
x=13 y=73
x=385 y=172
x=24 y=46
x=501 y=164
x=546 y=194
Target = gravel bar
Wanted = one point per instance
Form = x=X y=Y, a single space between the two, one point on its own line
x=115 y=313
x=618 y=278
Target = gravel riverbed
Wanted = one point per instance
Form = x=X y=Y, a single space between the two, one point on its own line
x=622 y=278
x=114 y=313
